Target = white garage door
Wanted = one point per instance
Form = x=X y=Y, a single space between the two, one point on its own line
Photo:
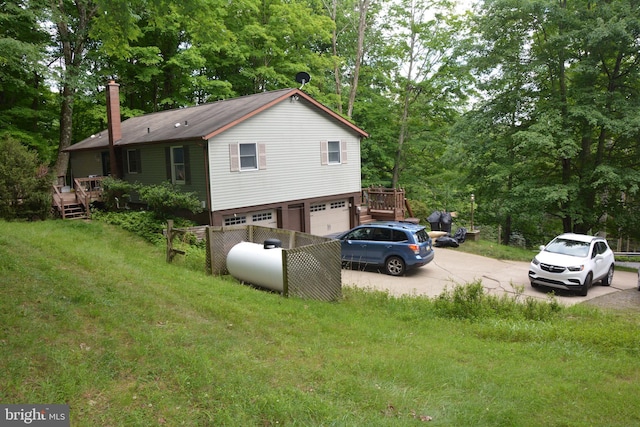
x=330 y=217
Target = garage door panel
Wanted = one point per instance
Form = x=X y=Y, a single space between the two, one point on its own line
x=329 y=217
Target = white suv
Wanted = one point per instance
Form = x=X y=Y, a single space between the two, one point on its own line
x=573 y=262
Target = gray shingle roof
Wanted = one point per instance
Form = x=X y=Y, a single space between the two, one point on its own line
x=199 y=122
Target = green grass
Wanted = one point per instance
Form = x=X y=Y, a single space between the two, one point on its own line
x=496 y=250
x=93 y=317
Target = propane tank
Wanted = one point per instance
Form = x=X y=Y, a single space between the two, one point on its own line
x=258 y=264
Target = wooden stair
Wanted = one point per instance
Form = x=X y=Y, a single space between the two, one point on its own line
x=366 y=218
x=75 y=203
x=74 y=211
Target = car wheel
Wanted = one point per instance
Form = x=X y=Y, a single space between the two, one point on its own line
x=534 y=284
x=395 y=266
x=606 y=281
x=586 y=285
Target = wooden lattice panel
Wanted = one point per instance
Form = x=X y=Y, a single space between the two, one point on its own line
x=311 y=264
x=314 y=271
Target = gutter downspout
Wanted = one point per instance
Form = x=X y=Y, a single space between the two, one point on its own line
x=205 y=149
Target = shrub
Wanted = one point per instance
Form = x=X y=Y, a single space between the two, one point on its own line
x=165 y=199
x=144 y=224
x=517 y=240
x=24 y=182
x=115 y=192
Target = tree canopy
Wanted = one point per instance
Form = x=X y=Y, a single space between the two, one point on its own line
x=531 y=105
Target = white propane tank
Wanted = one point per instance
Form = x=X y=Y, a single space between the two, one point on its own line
x=258 y=264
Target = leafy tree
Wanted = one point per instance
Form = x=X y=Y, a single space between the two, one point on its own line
x=427 y=80
x=270 y=42
x=27 y=107
x=24 y=182
x=353 y=36
x=557 y=133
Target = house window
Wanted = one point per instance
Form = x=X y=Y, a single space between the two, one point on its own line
x=334 y=152
x=338 y=205
x=133 y=161
x=318 y=208
x=248 y=156
x=178 y=170
x=235 y=220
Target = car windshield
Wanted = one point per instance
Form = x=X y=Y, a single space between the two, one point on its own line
x=421 y=236
x=568 y=247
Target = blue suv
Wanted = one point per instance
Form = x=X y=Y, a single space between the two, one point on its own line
x=396 y=246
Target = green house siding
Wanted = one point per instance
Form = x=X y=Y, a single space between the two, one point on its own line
x=153 y=167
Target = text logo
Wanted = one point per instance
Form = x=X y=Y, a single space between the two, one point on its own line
x=34 y=415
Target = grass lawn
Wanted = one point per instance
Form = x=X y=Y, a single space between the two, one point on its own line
x=93 y=317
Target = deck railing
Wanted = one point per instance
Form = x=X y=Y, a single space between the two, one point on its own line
x=385 y=203
x=84 y=192
x=58 y=199
x=88 y=190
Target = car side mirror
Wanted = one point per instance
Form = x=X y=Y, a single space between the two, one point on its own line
x=542 y=247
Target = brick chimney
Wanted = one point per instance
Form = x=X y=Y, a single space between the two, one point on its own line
x=113 y=123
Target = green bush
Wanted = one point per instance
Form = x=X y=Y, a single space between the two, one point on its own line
x=25 y=185
x=165 y=199
x=142 y=223
x=145 y=224
x=115 y=192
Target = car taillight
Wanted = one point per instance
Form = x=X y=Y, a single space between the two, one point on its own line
x=415 y=249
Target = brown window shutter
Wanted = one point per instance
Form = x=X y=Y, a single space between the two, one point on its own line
x=138 y=161
x=167 y=161
x=343 y=151
x=234 y=161
x=187 y=165
x=324 y=153
x=262 y=156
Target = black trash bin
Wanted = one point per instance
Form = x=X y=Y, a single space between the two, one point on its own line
x=434 y=220
x=445 y=222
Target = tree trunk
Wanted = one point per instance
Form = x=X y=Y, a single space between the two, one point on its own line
x=506 y=236
x=73 y=42
x=334 y=46
x=405 y=113
x=362 y=28
x=66 y=121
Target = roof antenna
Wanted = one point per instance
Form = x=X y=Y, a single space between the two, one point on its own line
x=303 y=78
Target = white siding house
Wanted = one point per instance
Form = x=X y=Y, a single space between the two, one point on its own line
x=292 y=136
x=279 y=159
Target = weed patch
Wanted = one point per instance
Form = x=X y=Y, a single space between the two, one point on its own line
x=470 y=302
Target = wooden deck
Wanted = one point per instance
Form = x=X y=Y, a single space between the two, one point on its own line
x=75 y=203
x=385 y=204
